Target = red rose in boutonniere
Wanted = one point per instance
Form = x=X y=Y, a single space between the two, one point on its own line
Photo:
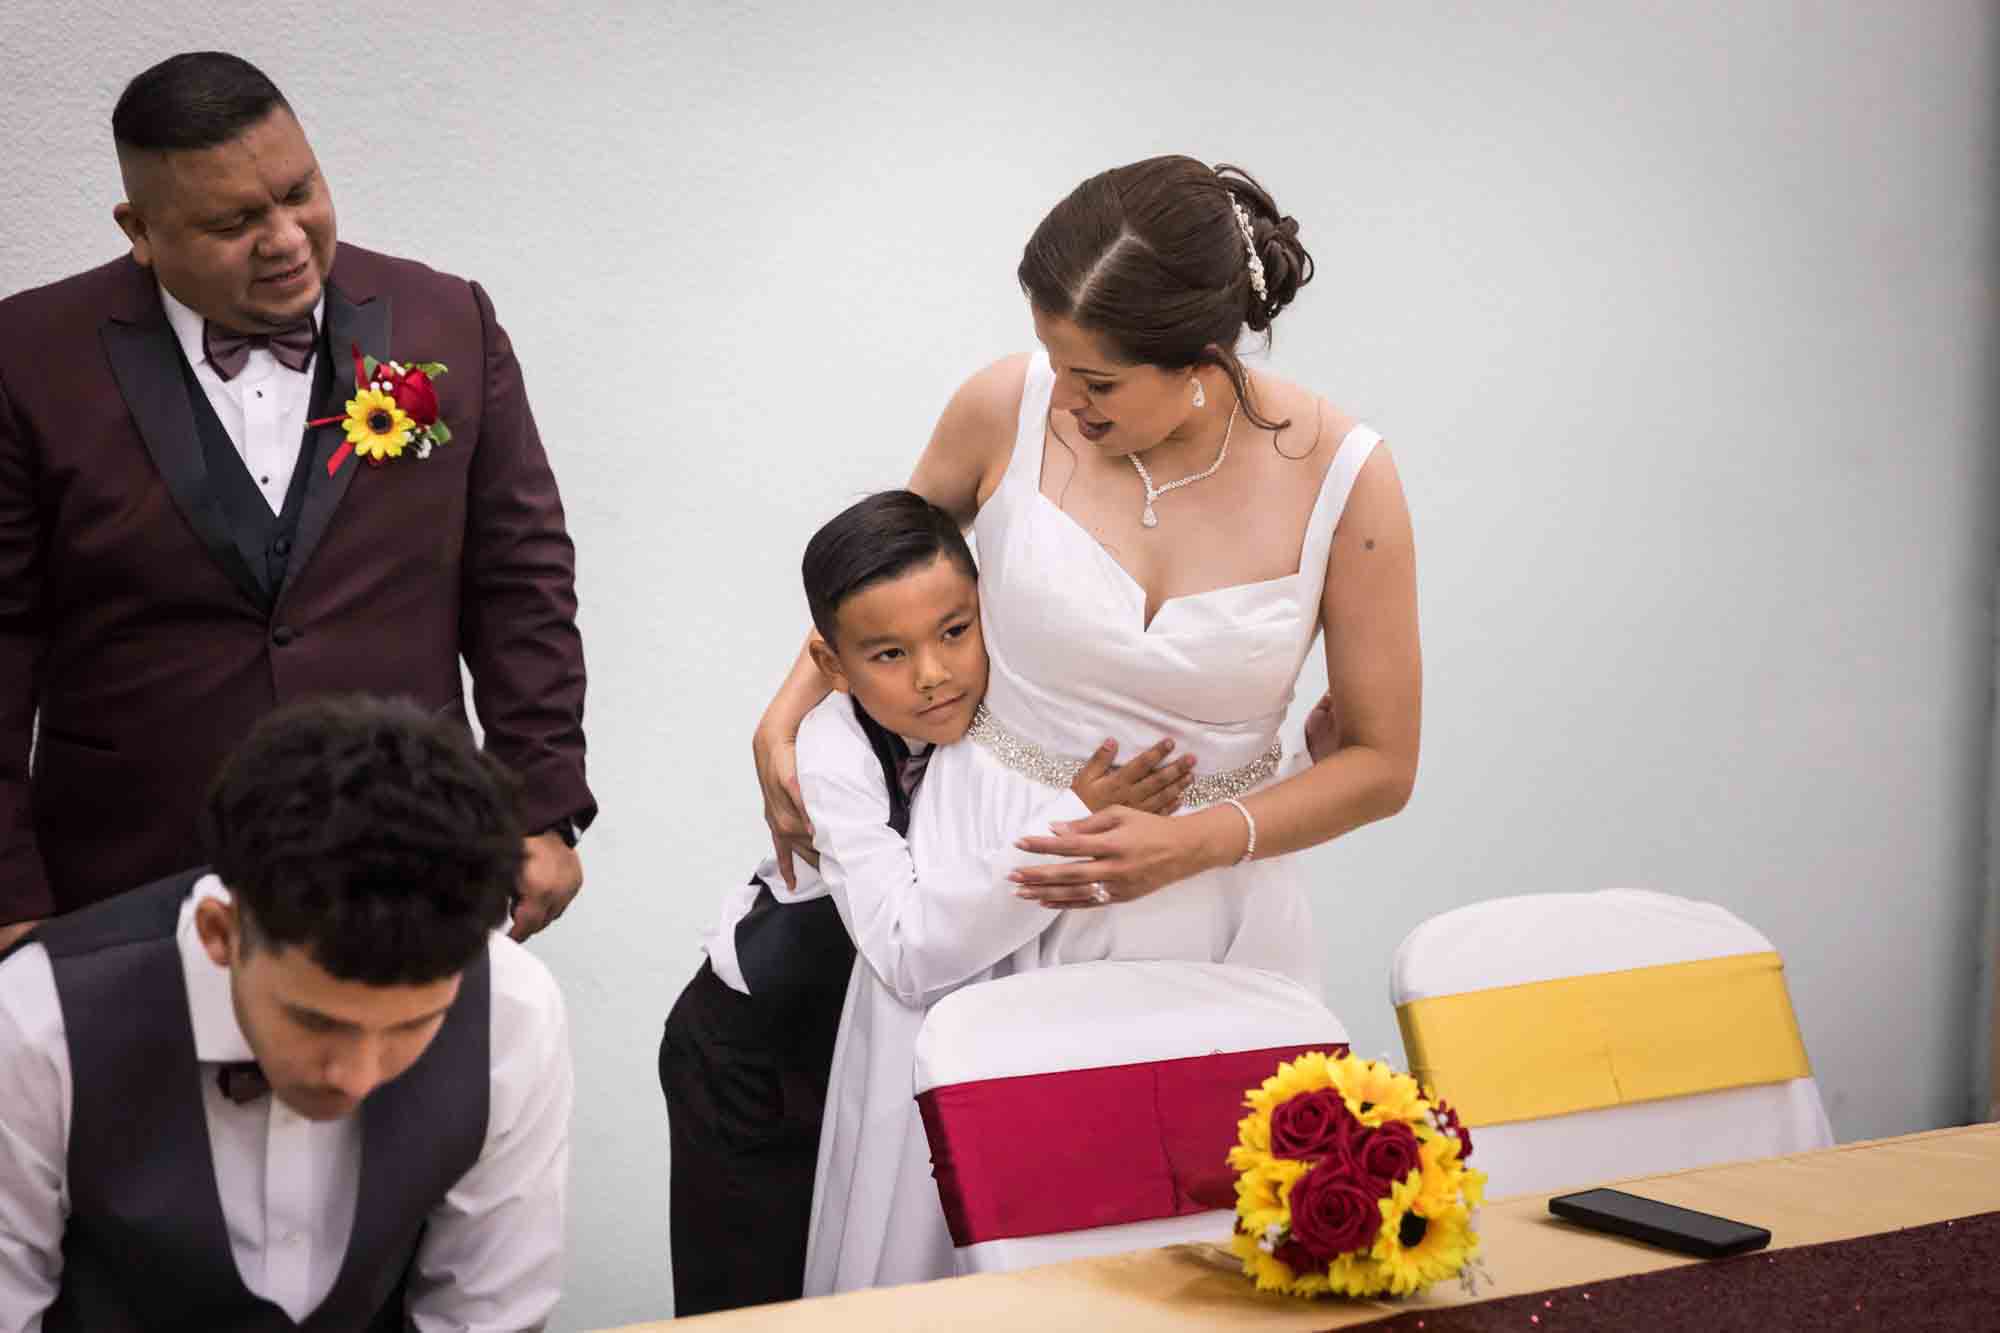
x=394 y=407
x=417 y=396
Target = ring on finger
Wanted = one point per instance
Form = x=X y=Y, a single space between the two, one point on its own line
x=1099 y=894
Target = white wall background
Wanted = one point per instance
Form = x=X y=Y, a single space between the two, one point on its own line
x=1680 y=318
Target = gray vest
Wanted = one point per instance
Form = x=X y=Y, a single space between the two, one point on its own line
x=146 y=1247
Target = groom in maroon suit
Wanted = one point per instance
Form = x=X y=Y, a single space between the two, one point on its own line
x=180 y=552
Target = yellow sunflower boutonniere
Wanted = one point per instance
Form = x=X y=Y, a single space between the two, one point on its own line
x=1351 y=1179
x=394 y=407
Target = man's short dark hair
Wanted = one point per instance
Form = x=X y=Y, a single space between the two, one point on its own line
x=369 y=833
x=879 y=538
x=192 y=101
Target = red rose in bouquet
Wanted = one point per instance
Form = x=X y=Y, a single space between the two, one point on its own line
x=1313 y=1124
x=1386 y=1154
x=1449 y=1123
x=1333 y=1213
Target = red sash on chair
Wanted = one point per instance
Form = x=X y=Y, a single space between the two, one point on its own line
x=1038 y=1154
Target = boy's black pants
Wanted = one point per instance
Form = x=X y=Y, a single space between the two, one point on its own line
x=745 y=1081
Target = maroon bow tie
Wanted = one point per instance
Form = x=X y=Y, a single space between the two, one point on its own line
x=911 y=771
x=228 y=350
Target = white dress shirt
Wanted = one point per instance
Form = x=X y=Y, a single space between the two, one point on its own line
x=491 y=1256
x=850 y=754
x=263 y=407
x=920 y=935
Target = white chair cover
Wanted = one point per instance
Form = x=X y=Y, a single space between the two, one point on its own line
x=1093 y=1015
x=1544 y=937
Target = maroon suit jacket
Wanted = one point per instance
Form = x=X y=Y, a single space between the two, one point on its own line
x=124 y=619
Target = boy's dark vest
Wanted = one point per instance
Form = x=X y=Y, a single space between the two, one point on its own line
x=146 y=1247
x=795 y=957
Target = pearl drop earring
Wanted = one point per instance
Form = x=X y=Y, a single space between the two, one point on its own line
x=1200 y=395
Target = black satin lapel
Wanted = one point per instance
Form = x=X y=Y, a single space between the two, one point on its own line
x=348 y=326
x=146 y=362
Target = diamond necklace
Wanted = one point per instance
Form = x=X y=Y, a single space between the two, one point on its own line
x=1152 y=520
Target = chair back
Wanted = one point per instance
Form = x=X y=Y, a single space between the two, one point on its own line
x=1089 y=1109
x=1585 y=1037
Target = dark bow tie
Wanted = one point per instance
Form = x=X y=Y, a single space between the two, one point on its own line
x=241 y=1081
x=228 y=350
x=910 y=771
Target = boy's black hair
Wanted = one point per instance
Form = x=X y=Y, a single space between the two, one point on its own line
x=881 y=537
x=368 y=833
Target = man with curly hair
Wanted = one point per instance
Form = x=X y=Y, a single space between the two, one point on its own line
x=311 y=1086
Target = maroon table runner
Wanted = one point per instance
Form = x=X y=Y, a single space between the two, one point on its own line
x=1938 y=1277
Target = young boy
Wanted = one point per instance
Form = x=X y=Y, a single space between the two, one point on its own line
x=744 y=1061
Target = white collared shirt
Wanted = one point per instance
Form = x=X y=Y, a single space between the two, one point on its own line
x=920 y=936
x=868 y=814
x=491 y=1254
x=263 y=408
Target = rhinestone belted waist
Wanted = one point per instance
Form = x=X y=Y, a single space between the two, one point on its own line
x=1032 y=761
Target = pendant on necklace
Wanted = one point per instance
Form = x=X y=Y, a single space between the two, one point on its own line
x=1149 y=519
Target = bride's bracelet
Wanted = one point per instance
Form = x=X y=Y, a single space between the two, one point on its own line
x=1251 y=849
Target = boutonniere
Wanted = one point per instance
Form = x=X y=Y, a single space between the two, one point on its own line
x=394 y=407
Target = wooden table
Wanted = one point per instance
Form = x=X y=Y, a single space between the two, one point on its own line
x=1837 y=1194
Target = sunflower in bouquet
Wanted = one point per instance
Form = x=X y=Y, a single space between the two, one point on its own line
x=1351 y=1179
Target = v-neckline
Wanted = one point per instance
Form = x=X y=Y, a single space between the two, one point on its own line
x=1147 y=621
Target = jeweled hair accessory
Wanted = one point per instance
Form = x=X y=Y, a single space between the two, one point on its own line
x=1250 y=247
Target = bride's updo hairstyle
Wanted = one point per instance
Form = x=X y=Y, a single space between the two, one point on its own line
x=1151 y=258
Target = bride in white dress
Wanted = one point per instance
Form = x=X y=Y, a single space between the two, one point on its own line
x=1161 y=535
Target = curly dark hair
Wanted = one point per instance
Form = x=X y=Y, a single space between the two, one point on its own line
x=369 y=833
x=1150 y=256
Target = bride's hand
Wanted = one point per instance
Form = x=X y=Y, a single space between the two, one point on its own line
x=777 y=754
x=1322 y=729
x=1125 y=853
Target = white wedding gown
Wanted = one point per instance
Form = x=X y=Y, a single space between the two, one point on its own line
x=1072 y=663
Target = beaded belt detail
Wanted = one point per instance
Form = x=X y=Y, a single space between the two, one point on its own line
x=1032 y=761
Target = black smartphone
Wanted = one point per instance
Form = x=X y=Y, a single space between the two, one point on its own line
x=1682 y=1229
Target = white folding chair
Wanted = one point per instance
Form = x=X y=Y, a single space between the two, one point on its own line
x=1585 y=1037
x=1089 y=1109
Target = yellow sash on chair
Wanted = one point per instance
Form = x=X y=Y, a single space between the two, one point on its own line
x=1580 y=1043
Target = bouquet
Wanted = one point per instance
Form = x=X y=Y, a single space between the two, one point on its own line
x=1351 y=1179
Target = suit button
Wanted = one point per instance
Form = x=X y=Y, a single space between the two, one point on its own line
x=283 y=635
x=283 y=546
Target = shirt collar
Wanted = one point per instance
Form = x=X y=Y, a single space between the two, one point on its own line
x=187 y=325
x=217 y=1038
